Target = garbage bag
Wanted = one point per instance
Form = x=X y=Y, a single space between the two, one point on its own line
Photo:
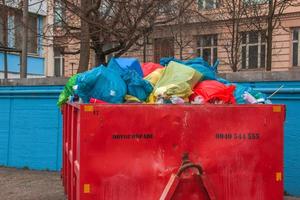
x=150 y=67
x=68 y=91
x=240 y=91
x=222 y=80
x=212 y=90
x=249 y=99
x=97 y=101
x=155 y=76
x=166 y=60
x=199 y=64
x=131 y=99
x=101 y=83
x=122 y=65
x=136 y=85
x=177 y=79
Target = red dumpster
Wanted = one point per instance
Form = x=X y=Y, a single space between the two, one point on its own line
x=151 y=152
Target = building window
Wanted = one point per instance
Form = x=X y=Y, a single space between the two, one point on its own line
x=208 y=4
x=1 y=32
x=296 y=47
x=254 y=2
x=32 y=43
x=59 y=62
x=32 y=34
x=253 y=49
x=208 y=48
x=163 y=47
x=59 y=13
x=11 y=30
x=3 y=26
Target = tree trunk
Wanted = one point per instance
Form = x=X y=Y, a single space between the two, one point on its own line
x=236 y=45
x=181 y=53
x=100 y=58
x=84 y=42
x=23 y=69
x=233 y=53
x=269 y=52
x=237 y=20
x=233 y=49
x=270 y=36
x=145 y=49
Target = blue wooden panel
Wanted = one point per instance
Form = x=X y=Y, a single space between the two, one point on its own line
x=34 y=146
x=4 y=129
x=291 y=98
x=31 y=134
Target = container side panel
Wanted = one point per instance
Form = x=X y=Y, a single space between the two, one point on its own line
x=130 y=152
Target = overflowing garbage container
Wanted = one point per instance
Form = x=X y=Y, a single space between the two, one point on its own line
x=178 y=152
x=171 y=82
x=173 y=130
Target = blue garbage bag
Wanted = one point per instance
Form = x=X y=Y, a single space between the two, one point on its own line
x=136 y=86
x=165 y=61
x=241 y=89
x=199 y=64
x=101 y=83
x=203 y=67
x=222 y=80
x=122 y=65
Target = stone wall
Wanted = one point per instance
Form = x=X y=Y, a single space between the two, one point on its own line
x=233 y=77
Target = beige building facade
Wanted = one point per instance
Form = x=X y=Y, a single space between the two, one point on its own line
x=211 y=40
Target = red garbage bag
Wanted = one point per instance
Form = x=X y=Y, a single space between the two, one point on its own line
x=98 y=101
x=149 y=67
x=214 y=92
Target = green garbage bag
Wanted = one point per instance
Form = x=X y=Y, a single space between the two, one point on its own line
x=177 y=79
x=68 y=91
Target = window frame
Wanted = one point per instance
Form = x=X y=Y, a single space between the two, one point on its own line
x=11 y=34
x=203 y=6
x=61 y=60
x=163 y=47
x=254 y=2
x=213 y=46
x=247 y=45
x=59 y=17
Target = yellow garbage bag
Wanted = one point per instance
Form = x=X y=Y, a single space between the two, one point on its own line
x=177 y=79
x=151 y=99
x=154 y=76
x=131 y=99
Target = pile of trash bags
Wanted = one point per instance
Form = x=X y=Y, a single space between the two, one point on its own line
x=172 y=81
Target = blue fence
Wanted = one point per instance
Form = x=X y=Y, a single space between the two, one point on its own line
x=30 y=127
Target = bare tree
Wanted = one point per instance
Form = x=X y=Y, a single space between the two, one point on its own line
x=267 y=16
x=84 y=40
x=23 y=69
x=112 y=26
x=179 y=28
x=232 y=13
